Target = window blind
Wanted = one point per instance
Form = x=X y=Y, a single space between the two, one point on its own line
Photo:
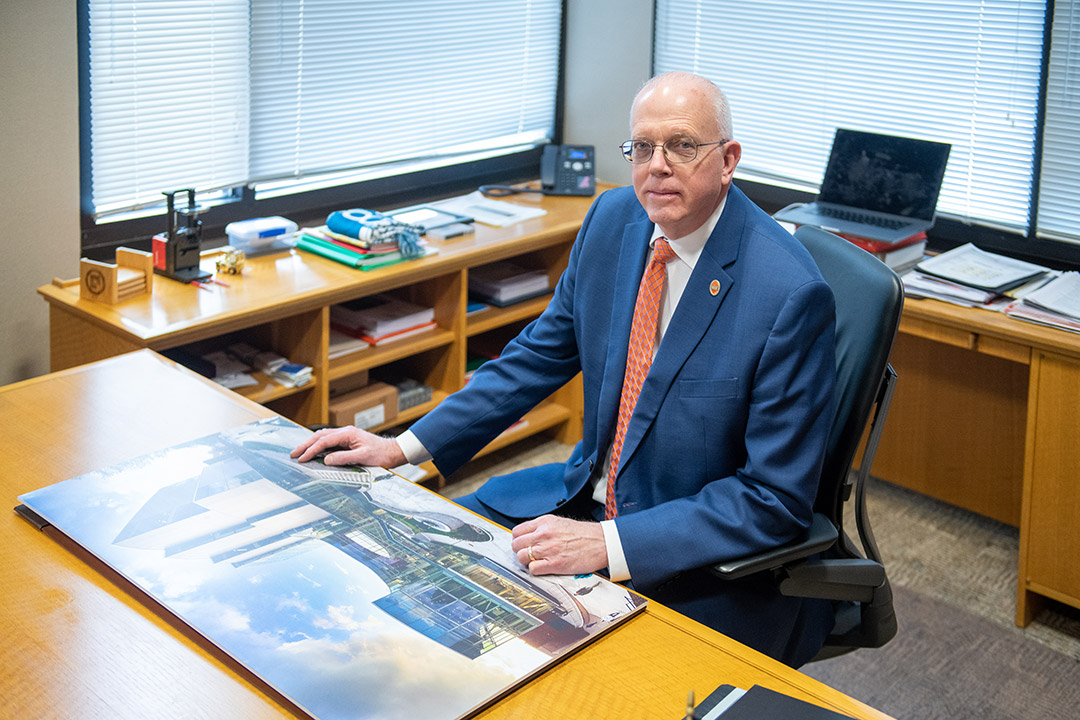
x=1059 y=180
x=965 y=73
x=291 y=94
x=346 y=85
x=168 y=98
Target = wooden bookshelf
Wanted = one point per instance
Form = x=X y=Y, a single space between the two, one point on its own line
x=282 y=301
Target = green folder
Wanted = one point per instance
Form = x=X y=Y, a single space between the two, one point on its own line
x=335 y=252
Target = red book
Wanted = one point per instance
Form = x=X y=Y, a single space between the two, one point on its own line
x=878 y=246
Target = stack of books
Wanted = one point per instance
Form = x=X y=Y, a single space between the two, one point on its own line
x=972 y=277
x=901 y=255
x=355 y=253
x=379 y=319
x=504 y=283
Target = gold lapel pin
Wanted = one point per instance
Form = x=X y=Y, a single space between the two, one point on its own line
x=714 y=288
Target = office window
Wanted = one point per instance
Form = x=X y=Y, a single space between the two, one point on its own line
x=272 y=98
x=1059 y=182
x=966 y=73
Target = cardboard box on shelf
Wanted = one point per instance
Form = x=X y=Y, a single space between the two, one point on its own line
x=365 y=408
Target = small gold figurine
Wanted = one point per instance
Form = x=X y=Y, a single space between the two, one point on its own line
x=230 y=262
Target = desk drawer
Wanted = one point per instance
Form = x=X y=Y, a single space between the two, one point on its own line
x=938 y=333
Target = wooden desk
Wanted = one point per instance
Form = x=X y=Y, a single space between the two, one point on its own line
x=79 y=642
x=282 y=302
x=985 y=416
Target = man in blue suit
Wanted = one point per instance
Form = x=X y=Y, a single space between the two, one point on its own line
x=720 y=455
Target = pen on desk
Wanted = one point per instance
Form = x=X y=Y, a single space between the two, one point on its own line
x=690 y=705
x=198 y=284
x=222 y=283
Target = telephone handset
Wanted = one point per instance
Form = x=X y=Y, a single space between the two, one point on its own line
x=568 y=170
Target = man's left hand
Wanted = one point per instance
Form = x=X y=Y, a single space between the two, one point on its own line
x=556 y=545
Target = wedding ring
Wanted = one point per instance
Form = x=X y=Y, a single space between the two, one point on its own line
x=531 y=557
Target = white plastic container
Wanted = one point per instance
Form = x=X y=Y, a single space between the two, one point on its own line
x=261 y=234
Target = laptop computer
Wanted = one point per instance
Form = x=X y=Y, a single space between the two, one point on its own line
x=876 y=186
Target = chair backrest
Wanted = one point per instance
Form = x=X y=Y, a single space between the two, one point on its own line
x=869 y=297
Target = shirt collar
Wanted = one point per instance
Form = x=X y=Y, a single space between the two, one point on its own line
x=688 y=248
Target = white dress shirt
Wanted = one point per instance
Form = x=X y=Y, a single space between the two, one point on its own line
x=687 y=251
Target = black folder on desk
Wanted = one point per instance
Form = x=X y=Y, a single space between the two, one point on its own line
x=759 y=703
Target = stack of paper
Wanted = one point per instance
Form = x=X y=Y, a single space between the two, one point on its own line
x=504 y=283
x=276 y=366
x=972 y=277
x=381 y=318
x=1056 y=304
x=342 y=344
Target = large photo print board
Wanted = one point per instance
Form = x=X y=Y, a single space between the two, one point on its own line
x=351 y=591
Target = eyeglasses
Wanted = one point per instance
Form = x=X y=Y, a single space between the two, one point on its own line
x=676 y=150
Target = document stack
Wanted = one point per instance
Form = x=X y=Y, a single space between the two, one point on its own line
x=504 y=283
x=972 y=277
x=342 y=344
x=381 y=318
x=279 y=368
x=1055 y=304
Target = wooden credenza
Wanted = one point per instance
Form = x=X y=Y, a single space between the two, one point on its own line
x=986 y=416
x=282 y=302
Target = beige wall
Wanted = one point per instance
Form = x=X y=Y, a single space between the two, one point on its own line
x=608 y=57
x=39 y=185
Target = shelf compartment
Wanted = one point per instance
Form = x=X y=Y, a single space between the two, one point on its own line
x=373 y=357
x=496 y=317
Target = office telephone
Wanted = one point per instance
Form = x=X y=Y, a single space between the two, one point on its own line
x=568 y=170
x=564 y=170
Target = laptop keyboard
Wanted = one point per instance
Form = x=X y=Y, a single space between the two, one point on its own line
x=859 y=217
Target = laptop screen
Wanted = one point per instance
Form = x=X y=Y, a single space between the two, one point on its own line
x=883 y=173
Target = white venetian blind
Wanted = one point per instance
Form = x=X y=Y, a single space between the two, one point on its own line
x=168 y=98
x=285 y=95
x=1059 y=182
x=349 y=85
x=965 y=73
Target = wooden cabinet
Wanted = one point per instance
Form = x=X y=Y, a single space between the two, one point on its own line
x=1050 y=530
x=986 y=416
x=282 y=302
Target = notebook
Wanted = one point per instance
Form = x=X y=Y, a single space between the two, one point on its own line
x=876 y=186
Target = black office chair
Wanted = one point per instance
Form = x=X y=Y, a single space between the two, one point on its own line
x=869 y=297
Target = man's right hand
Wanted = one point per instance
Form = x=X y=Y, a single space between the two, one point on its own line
x=358 y=447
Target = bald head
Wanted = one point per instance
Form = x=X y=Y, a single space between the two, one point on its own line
x=690 y=86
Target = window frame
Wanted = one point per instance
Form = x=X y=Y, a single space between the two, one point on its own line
x=99 y=240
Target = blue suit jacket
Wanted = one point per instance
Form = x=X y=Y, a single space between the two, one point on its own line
x=724 y=449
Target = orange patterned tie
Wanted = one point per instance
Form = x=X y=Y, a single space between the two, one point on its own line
x=638 y=357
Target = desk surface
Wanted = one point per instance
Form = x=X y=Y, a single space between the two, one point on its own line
x=80 y=642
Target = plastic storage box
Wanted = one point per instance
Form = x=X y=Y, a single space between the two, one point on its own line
x=261 y=235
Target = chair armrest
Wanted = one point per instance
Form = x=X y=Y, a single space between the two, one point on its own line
x=852 y=579
x=820 y=536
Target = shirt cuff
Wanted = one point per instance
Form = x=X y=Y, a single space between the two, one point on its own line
x=414 y=450
x=617 y=569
